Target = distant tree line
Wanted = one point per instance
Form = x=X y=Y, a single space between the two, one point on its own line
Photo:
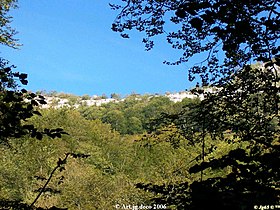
x=134 y=114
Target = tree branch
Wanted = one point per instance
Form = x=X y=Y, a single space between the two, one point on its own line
x=59 y=164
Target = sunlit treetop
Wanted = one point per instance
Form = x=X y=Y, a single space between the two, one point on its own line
x=230 y=33
x=7 y=33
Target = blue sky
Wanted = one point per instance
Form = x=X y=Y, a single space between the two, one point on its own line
x=68 y=46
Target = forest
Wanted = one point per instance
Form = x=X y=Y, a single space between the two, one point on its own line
x=143 y=152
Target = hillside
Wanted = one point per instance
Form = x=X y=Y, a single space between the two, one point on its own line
x=58 y=100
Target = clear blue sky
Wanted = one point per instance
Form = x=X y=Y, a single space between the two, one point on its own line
x=68 y=46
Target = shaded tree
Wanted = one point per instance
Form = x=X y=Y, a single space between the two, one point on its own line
x=237 y=31
x=17 y=106
x=231 y=35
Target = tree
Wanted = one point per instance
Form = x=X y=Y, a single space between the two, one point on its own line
x=248 y=107
x=237 y=31
x=155 y=106
x=7 y=33
x=104 y=96
x=134 y=125
x=116 y=96
x=86 y=97
x=13 y=107
x=231 y=35
x=17 y=106
x=116 y=119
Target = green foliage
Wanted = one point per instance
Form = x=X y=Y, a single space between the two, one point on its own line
x=166 y=158
x=86 y=97
x=116 y=119
x=132 y=115
x=247 y=105
x=245 y=108
x=104 y=96
x=17 y=106
x=244 y=115
x=219 y=153
x=116 y=96
x=7 y=33
x=101 y=181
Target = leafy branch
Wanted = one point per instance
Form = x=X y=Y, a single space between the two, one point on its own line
x=59 y=166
